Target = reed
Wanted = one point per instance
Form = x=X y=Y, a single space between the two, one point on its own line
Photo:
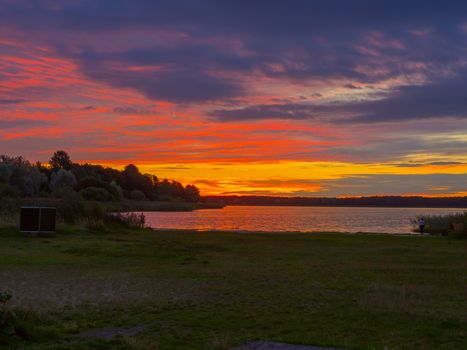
x=450 y=224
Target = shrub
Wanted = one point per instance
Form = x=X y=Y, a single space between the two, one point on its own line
x=62 y=179
x=32 y=183
x=112 y=188
x=95 y=216
x=137 y=195
x=88 y=181
x=96 y=194
x=166 y=198
x=127 y=219
x=8 y=191
x=117 y=190
x=6 y=170
x=71 y=208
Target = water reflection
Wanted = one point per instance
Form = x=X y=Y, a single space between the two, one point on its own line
x=301 y=219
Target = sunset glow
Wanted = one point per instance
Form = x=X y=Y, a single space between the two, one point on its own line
x=306 y=104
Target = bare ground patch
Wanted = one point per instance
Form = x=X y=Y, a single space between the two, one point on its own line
x=266 y=345
x=50 y=290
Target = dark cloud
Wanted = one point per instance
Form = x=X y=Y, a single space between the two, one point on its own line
x=417 y=165
x=352 y=87
x=21 y=123
x=174 y=83
x=219 y=41
x=282 y=100
x=409 y=165
x=277 y=111
x=272 y=18
x=443 y=99
x=325 y=39
x=6 y=101
x=445 y=163
x=178 y=167
x=130 y=110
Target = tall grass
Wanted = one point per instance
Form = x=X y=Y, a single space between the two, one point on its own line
x=71 y=210
x=450 y=224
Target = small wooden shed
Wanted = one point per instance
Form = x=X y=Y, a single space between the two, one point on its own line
x=37 y=219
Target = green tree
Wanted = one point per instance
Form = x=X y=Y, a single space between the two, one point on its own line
x=62 y=179
x=20 y=174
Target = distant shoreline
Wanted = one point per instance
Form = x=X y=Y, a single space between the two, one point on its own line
x=253 y=232
x=339 y=206
x=373 y=201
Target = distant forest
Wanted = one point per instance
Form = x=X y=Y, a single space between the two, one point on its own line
x=375 y=201
x=20 y=178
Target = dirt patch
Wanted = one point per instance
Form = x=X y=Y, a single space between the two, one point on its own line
x=112 y=332
x=267 y=345
x=46 y=290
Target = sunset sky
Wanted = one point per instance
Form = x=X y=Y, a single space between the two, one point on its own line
x=309 y=98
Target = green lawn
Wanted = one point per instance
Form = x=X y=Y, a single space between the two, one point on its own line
x=218 y=290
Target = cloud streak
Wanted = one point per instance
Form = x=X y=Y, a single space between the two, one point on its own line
x=22 y=123
x=443 y=99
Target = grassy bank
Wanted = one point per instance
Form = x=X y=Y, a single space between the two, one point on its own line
x=9 y=205
x=76 y=207
x=128 y=205
x=217 y=290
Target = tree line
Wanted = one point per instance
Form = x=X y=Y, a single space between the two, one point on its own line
x=20 y=178
x=372 y=201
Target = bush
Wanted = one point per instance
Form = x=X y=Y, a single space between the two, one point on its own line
x=117 y=190
x=62 y=179
x=131 y=220
x=7 y=190
x=95 y=216
x=96 y=194
x=112 y=188
x=71 y=208
x=166 y=198
x=137 y=195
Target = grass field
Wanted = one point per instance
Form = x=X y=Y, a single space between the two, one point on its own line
x=217 y=290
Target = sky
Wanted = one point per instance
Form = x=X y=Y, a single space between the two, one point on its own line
x=290 y=98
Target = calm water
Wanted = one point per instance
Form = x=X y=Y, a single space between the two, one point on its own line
x=303 y=219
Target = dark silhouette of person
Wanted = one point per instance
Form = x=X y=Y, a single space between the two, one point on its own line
x=421 y=224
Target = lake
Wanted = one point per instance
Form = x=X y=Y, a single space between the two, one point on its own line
x=300 y=219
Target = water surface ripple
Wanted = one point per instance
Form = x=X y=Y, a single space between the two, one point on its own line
x=301 y=219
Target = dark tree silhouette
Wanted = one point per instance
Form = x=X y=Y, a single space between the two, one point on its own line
x=18 y=177
x=192 y=193
x=61 y=160
x=134 y=180
x=373 y=201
